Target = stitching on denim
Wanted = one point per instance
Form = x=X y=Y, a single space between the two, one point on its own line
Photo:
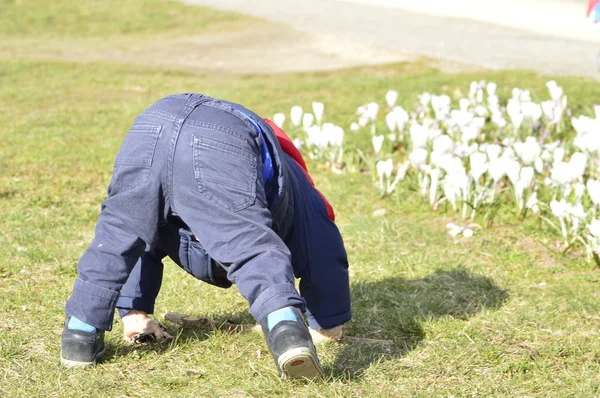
x=218 y=127
x=160 y=113
x=154 y=135
x=225 y=147
x=113 y=296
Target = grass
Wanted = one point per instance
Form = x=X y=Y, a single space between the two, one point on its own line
x=496 y=315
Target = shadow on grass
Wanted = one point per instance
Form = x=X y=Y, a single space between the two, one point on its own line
x=393 y=309
x=193 y=330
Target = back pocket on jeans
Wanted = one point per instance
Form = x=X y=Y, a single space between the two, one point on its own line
x=225 y=171
x=133 y=162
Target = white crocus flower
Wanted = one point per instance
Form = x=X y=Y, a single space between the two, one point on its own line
x=499 y=120
x=307 y=121
x=497 y=169
x=318 y=109
x=442 y=144
x=546 y=155
x=441 y=106
x=525 y=96
x=377 y=141
x=385 y=168
x=513 y=108
x=372 y=110
x=419 y=135
x=424 y=99
x=354 y=126
x=390 y=97
x=594 y=238
x=401 y=117
x=593 y=188
x=463 y=104
x=298 y=143
x=479 y=165
x=418 y=157
x=479 y=96
x=473 y=88
x=491 y=89
x=559 y=174
x=526 y=175
x=461 y=118
x=335 y=134
x=532 y=111
x=538 y=163
x=579 y=190
x=493 y=151
x=588 y=133
x=529 y=150
x=384 y=171
x=455 y=182
x=556 y=92
x=575 y=214
x=481 y=111
x=558 y=155
x=521 y=185
x=402 y=168
x=559 y=208
x=513 y=170
x=296 y=115
x=594 y=228
x=279 y=119
x=391 y=119
x=468 y=233
x=577 y=165
x=532 y=203
x=317 y=137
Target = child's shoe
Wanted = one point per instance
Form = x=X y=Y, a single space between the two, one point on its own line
x=290 y=343
x=80 y=348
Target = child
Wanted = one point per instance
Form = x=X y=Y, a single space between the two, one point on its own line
x=207 y=183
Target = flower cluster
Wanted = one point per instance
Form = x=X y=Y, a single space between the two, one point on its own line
x=476 y=152
x=324 y=140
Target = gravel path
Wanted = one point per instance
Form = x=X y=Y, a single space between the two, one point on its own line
x=551 y=36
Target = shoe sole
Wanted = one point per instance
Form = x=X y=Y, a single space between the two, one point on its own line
x=300 y=363
x=68 y=363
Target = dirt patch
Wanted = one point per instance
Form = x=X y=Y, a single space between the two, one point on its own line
x=260 y=48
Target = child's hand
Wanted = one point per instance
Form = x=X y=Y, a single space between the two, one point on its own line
x=139 y=328
x=321 y=335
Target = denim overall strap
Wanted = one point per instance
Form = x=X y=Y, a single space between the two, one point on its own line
x=194 y=101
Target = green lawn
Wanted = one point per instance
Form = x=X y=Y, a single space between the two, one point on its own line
x=496 y=315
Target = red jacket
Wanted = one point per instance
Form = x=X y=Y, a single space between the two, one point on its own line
x=288 y=147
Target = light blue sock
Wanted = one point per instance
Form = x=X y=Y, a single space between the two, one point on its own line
x=284 y=314
x=76 y=324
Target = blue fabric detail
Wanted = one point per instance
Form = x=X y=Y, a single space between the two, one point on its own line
x=268 y=171
x=76 y=324
x=284 y=314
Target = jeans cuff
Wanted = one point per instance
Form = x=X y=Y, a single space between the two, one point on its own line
x=126 y=304
x=92 y=304
x=275 y=298
x=328 y=322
